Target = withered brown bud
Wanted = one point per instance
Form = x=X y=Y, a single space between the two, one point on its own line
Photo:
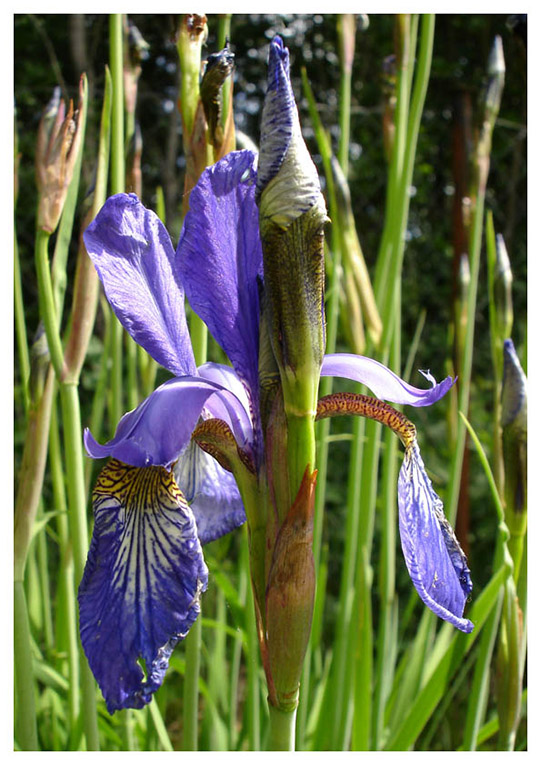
x=59 y=140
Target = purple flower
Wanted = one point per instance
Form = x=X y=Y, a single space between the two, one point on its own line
x=160 y=497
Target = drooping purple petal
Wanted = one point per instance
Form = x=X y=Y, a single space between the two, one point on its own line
x=140 y=590
x=228 y=378
x=156 y=432
x=219 y=260
x=133 y=255
x=382 y=382
x=435 y=561
x=211 y=492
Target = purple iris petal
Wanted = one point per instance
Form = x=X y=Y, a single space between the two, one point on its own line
x=140 y=590
x=381 y=381
x=133 y=255
x=279 y=115
x=211 y=492
x=156 y=432
x=219 y=260
x=435 y=561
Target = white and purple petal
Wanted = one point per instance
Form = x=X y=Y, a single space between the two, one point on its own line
x=211 y=492
x=140 y=590
x=158 y=430
x=385 y=384
x=133 y=255
x=435 y=561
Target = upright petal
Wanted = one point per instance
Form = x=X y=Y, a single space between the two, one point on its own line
x=219 y=260
x=140 y=590
x=211 y=492
x=435 y=561
x=157 y=431
x=381 y=381
x=133 y=256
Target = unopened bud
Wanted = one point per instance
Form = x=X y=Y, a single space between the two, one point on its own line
x=135 y=52
x=515 y=438
x=292 y=215
x=389 y=104
x=134 y=178
x=503 y=292
x=290 y=596
x=496 y=79
x=39 y=365
x=346 y=39
x=59 y=140
x=219 y=67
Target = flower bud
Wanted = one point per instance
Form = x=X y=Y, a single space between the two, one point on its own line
x=135 y=52
x=39 y=365
x=503 y=292
x=219 y=67
x=292 y=215
x=515 y=438
x=59 y=140
x=290 y=597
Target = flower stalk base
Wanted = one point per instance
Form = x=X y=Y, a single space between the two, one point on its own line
x=281 y=730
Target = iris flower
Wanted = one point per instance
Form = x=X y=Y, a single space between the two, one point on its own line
x=160 y=497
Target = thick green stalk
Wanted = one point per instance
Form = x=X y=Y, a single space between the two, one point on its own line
x=26 y=731
x=252 y=672
x=346 y=38
x=496 y=347
x=243 y=568
x=191 y=688
x=73 y=446
x=66 y=617
x=30 y=479
x=47 y=305
x=281 y=730
x=20 y=328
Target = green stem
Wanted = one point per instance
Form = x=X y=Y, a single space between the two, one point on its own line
x=20 y=328
x=66 y=618
x=301 y=447
x=47 y=302
x=191 y=687
x=117 y=121
x=73 y=445
x=281 y=730
x=26 y=727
